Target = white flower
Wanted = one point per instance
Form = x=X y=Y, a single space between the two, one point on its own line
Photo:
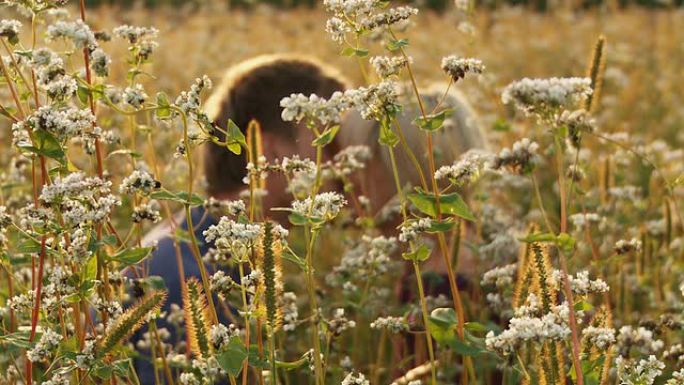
x=355 y=378
x=139 y=181
x=324 y=206
x=81 y=199
x=231 y=236
x=388 y=66
x=458 y=68
x=640 y=338
x=643 y=372
x=393 y=324
x=626 y=246
x=146 y=211
x=600 y=337
x=500 y=276
x=466 y=170
x=9 y=28
x=351 y=158
x=520 y=159
x=409 y=231
x=544 y=96
x=314 y=108
x=49 y=340
x=387 y=18
x=135 y=34
x=99 y=62
x=135 y=96
x=220 y=335
x=77 y=31
x=677 y=378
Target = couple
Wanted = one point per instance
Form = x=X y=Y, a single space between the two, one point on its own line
x=252 y=90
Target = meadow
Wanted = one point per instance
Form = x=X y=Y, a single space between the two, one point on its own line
x=552 y=254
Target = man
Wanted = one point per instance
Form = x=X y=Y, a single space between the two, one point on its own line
x=252 y=90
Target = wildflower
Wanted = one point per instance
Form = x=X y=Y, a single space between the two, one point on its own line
x=288 y=304
x=602 y=338
x=188 y=379
x=314 y=109
x=393 y=324
x=139 y=181
x=80 y=198
x=323 y=207
x=355 y=378
x=677 y=378
x=351 y=159
x=77 y=31
x=135 y=96
x=231 y=236
x=520 y=159
x=146 y=211
x=388 y=18
x=640 y=338
x=544 y=96
x=62 y=123
x=643 y=372
x=9 y=29
x=624 y=247
x=526 y=326
x=99 y=62
x=458 y=68
x=466 y=170
x=500 y=276
x=49 y=340
x=135 y=34
x=577 y=122
x=388 y=66
x=189 y=101
x=376 y=101
x=220 y=335
x=337 y=29
x=410 y=230
x=232 y=208
x=581 y=284
x=58 y=379
x=221 y=283
x=339 y=323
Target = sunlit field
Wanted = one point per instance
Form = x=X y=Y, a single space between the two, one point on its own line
x=394 y=195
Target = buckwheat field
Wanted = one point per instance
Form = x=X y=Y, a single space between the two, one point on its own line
x=352 y=192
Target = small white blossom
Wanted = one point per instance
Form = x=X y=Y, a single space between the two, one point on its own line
x=458 y=68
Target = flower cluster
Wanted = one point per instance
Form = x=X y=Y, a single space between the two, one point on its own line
x=457 y=68
x=324 y=206
x=545 y=96
x=386 y=67
x=521 y=158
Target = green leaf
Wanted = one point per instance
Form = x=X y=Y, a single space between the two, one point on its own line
x=132 y=256
x=501 y=125
x=326 y=137
x=163 y=109
x=235 y=139
x=351 y=51
x=450 y=204
x=387 y=136
x=180 y=197
x=539 y=237
x=444 y=317
x=441 y=226
x=433 y=122
x=233 y=357
x=45 y=144
x=395 y=45
x=421 y=254
x=90 y=270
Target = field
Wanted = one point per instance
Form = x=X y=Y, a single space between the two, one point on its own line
x=519 y=223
